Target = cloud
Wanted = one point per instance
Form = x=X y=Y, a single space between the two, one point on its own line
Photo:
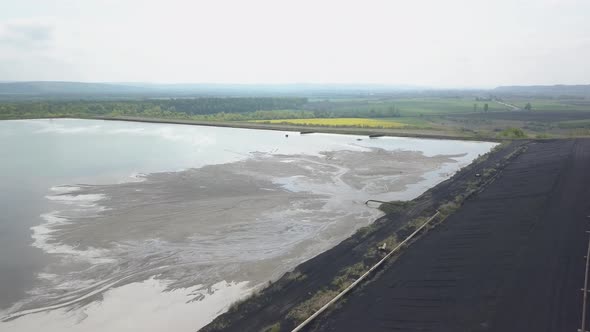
x=30 y=50
x=26 y=34
x=423 y=42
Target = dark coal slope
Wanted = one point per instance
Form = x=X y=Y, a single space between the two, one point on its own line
x=511 y=259
x=274 y=303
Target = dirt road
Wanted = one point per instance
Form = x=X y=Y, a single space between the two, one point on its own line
x=511 y=259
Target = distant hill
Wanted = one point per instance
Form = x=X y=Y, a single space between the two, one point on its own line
x=75 y=90
x=545 y=90
x=67 y=88
x=48 y=89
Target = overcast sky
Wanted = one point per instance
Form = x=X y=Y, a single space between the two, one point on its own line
x=451 y=43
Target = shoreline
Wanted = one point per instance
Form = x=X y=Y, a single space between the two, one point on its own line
x=332 y=163
x=371 y=132
x=276 y=307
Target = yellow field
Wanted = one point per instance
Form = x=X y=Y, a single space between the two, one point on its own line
x=338 y=122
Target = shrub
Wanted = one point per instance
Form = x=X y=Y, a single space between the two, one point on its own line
x=513 y=133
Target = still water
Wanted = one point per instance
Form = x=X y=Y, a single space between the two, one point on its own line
x=87 y=205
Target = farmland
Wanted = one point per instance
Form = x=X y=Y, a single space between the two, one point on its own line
x=460 y=114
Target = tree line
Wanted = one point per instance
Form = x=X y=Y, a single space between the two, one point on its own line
x=164 y=107
x=207 y=109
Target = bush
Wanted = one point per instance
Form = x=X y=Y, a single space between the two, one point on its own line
x=513 y=133
x=276 y=327
x=395 y=206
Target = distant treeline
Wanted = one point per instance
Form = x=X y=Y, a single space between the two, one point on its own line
x=229 y=105
x=358 y=112
x=197 y=106
x=215 y=109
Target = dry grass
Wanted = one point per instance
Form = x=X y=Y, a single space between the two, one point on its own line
x=309 y=307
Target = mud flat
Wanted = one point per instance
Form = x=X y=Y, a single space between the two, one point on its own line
x=510 y=259
x=182 y=246
x=273 y=308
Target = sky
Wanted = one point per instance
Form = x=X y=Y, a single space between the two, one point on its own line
x=451 y=43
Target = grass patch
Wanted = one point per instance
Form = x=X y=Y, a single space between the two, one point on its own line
x=543 y=104
x=344 y=279
x=513 y=133
x=294 y=275
x=338 y=122
x=309 y=307
x=429 y=106
x=574 y=124
x=276 y=327
x=578 y=132
x=417 y=107
x=414 y=122
x=349 y=275
x=395 y=206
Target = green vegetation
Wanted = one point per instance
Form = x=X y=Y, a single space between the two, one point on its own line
x=251 y=116
x=166 y=108
x=414 y=122
x=528 y=107
x=462 y=116
x=513 y=133
x=395 y=206
x=338 y=122
x=247 y=108
x=575 y=124
x=546 y=104
x=405 y=106
x=310 y=306
x=276 y=327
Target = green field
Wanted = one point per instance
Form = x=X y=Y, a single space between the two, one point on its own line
x=575 y=124
x=429 y=106
x=339 y=122
x=442 y=106
x=416 y=106
x=540 y=104
x=463 y=116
